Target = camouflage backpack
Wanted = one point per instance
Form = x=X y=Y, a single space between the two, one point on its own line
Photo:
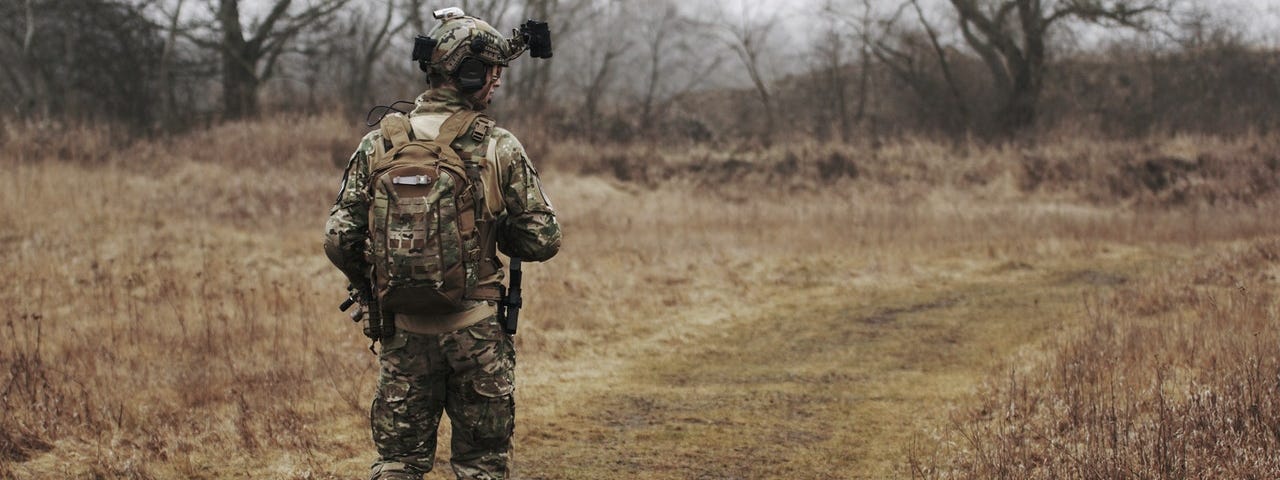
x=431 y=235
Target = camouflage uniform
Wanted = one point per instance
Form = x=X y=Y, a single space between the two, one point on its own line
x=460 y=363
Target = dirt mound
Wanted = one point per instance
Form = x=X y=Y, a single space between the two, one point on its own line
x=1209 y=178
x=1158 y=172
x=1227 y=176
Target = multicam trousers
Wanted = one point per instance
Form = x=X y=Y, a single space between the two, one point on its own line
x=469 y=373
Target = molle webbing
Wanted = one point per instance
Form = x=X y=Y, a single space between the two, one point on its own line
x=397 y=134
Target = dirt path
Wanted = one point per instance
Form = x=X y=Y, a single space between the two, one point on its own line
x=809 y=380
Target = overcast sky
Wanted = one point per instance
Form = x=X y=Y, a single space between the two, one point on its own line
x=802 y=19
x=1259 y=18
x=789 y=45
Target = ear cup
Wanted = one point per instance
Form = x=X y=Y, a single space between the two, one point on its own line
x=471 y=75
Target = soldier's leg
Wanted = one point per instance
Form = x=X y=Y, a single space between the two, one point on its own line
x=480 y=402
x=406 y=409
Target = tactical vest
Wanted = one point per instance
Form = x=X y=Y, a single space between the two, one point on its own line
x=431 y=234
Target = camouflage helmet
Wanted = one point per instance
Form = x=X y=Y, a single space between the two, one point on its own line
x=459 y=37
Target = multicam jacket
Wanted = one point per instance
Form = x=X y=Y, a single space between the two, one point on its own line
x=527 y=226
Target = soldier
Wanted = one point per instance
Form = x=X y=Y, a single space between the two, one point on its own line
x=457 y=360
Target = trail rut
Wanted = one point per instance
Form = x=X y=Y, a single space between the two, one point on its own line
x=807 y=381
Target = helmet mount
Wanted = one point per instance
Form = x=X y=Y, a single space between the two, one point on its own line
x=464 y=48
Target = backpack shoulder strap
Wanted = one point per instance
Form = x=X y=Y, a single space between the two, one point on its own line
x=480 y=126
x=396 y=132
x=486 y=222
x=456 y=125
x=396 y=129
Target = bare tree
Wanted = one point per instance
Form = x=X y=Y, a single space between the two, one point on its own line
x=674 y=66
x=373 y=31
x=917 y=57
x=863 y=27
x=26 y=78
x=609 y=43
x=747 y=35
x=830 y=63
x=1010 y=36
x=655 y=36
x=249 y=61
x=79 y=59
x=944 y=63
x=531 y=82
x=172 y=20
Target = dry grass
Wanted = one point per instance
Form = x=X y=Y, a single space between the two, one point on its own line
x=1175 y=377
x=751 y=314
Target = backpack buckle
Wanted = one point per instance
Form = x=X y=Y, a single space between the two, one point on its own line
x=481 y=130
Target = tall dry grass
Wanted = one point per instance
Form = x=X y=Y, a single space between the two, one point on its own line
x=1176 y=377
x=169 y=313
x=165 y=306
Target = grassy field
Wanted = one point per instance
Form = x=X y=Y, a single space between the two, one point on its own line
x=1079 y=309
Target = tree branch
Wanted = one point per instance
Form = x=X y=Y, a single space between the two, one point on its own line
x=30 y=31
x=1093 y=11
x=943 y=63
x=999 y=71
x=996 y=34
x=268 y=24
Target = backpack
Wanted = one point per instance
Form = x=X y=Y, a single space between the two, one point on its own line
x=431 y=235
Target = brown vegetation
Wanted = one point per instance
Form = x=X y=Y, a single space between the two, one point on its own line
x=1183 y=170
x=1174 y=377
x=1075 y=250
x=169 y=314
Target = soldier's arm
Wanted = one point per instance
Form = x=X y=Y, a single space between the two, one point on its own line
x=528 y=229
x=347 y=229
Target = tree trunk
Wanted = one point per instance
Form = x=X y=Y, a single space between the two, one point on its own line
x=239 y=87
x=241 y=73
x=1019 y=110
x=167 y=78
x=596 y=90
x=239 y=81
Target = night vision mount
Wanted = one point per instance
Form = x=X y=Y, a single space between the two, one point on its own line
x=534 y=36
